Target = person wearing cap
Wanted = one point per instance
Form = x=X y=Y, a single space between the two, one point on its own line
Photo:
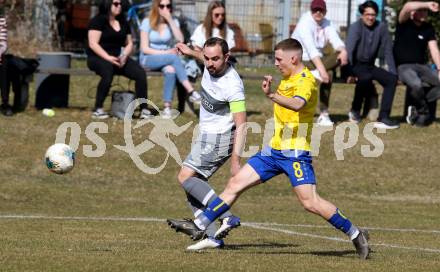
x=365 y=39
x=414 y=36
x=323 y=51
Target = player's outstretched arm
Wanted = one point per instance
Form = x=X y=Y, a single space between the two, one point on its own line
x=185 y=50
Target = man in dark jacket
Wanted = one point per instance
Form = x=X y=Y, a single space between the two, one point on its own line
x=365 y=39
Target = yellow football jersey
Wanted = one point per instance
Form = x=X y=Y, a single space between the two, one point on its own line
x=293 y=130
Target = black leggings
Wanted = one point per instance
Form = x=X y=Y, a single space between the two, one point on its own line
x=106 y=71
x=3 y=83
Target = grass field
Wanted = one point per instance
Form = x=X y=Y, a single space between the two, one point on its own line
x=107 y=215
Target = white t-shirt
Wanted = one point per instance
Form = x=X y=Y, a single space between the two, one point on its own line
x=217 y=93
x=314 y=37
x=198 y=38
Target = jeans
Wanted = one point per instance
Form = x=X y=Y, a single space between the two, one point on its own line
x=417 y=77
x=366 y=73
x=106 y=71
x=159 y=62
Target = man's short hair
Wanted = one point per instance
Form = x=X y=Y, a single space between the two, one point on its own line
x=217 y=41
x=368 y=4
x=289 y=44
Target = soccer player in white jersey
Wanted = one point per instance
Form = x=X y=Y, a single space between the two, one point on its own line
x=222 y=119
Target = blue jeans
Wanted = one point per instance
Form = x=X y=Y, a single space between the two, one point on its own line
x=158 y=62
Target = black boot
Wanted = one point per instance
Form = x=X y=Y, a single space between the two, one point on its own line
x=6 y=110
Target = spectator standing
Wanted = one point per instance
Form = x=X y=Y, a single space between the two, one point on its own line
x=366 y=37
x=108 y=33
x=5 y=108
x=323 y=51
x=159 y=32
x=414 y=36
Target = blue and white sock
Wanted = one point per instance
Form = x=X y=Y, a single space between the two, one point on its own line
x=339 y=221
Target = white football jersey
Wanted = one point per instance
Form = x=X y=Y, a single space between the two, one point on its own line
x=217 y=93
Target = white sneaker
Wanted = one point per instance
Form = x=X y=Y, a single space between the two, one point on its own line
x=146 y=114
x=166 y=113
x=227 y=225
x=354 y=117
x=100 y=114
x=206 y=244
x=195 y=97
x=316 y=75
x=324 y=120
x=411 y=117
x=169 y=113
x=386 y=123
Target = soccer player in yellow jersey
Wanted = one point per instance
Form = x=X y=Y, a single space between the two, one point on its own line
x=289 y=151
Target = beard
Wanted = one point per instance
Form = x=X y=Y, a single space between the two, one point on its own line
x=212 y=71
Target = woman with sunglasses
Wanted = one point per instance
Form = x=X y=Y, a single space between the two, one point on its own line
x=158 y=33
x=214 y=25
x=108 y=33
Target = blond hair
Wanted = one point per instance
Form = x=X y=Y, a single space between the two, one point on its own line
x=154 y=17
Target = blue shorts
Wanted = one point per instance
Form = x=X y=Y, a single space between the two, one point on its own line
x=296 y=164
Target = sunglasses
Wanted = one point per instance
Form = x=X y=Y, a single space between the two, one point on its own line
x=116 y=4
x=316 y=10
x=216 y=15
x=165 y=6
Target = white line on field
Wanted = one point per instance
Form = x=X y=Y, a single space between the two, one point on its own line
x=83 y=218
x=254 y=225
x=329 y=227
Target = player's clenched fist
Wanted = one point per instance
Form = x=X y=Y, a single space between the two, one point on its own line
x=265 y=85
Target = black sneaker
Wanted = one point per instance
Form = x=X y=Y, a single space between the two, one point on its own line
x=411 y=116
x=188 y=227
x=386 y=123
x=361 y=244
x=6 y=110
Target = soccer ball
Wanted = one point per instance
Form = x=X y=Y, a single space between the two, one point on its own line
x=60 y=158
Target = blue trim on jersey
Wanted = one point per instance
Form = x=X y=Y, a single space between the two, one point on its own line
x=301 y=98
x=296 y=164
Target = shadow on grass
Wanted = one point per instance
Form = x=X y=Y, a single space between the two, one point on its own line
x=258 y=245
x=332 y=253
x=278 y=249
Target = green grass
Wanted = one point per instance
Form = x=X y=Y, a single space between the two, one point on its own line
x=398 y=190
